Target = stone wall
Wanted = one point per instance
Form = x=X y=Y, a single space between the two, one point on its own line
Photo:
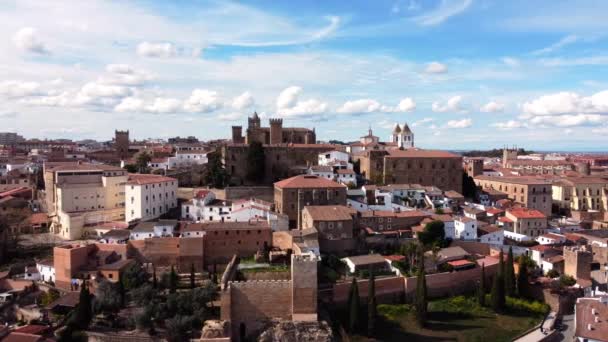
x=265 y=193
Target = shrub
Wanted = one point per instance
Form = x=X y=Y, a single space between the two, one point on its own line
x=552 y=274
x=522 y=305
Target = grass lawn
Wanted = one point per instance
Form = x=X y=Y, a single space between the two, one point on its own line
x=452 y=319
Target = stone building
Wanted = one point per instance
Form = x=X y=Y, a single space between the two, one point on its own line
x=250 y=306
x=581 y=193
x=282 y=160
x=577 y=262
x=121 y=144
x=334 y=224
x=531 y=192
x=274 y=134
x=473 y=166
x=530 y=222
x=293 y=194
x=425 y=167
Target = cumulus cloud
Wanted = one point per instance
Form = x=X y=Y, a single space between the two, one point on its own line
x=243 y=101
x=362 y=106
x=164 y=105
x=203 y=101
x=26 y=40
x=452 y=105
x=508 y=125
x=130 y=104
x=464 y=123
x=422 y=122
x=569 y=120
x=156 y=50
x=436 y=68
x=289 y=105
x=230 y=116
x=567 y=103
x=406 y=105
x=16 y=89
x=124 y=74
x=492 y=107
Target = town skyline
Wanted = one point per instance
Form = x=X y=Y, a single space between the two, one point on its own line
x=162 y=70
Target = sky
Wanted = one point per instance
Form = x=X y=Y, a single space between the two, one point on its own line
x=464 y=74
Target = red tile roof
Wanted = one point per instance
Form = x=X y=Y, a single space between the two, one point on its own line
x=140 y=179
x=505 y=219
x=457 y=263
x=525 y=213
x=419 y=153
x=307 y=181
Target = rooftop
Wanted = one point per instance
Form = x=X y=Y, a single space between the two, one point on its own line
x=307 y=181
x=419 y=153
x=523 y=180
x=361 y=260
x=588 y=310
x=330 y=212
x=141 y=179
x=525 y=213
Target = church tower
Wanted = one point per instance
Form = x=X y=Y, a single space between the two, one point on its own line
x=402 y=136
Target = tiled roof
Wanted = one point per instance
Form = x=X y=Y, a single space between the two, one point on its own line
x=141 y=179
x=360 y=260
x=418 y=153
x=307 y=181
x=525 y=213
x=330 y=212
x=81 y=167
x=387 y=213
x=552 y=236
x=587 y=311
x=345 y=172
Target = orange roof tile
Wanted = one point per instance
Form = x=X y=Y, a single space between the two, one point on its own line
x=307 y=181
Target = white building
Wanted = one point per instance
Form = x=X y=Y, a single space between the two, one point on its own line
x=182 y=158
x=321 y=171
x=346 y=176
x=491 y=235
x=204 y=207
x=550 y=239
x=465 y=228
x=149 y=196
x=331 y=158
x=146 y=230
x=46 y=268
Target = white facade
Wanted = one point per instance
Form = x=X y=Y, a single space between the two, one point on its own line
x=402 y=136
x=148 y=230
x=47 y=272
x=205 y=208
x=550 y=239
x=149 y=196
x=346 y=177
x=516 y=236
x=331 y=157
x=182 y=158
x=495 y=238
x=465 y=228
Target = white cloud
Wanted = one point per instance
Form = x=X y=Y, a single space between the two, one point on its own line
x=406 y=105
x=422 y=122
x=304 y=108
x=95 y=89
x=452 y=105
x=567 y=40
x=362 y=106
x=230 y=116
x=567 y=103
x=508 y=125
x=164 y=105
x=463 y=123
x=436 y=68
x=26 y=40
x=243 y=101
x=156 y=50
x=203 y=101
x=288 y=97
x=16 y=89
x=124 y=74
x=492 y=107
x=600 y=130
x=569 y=120
x=130 y=104
x=512 y=62
x=445 y=10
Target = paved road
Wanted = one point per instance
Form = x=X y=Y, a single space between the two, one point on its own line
x=566 y=333
x=536 y=335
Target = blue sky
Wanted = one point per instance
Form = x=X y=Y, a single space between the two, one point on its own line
x=463 y=73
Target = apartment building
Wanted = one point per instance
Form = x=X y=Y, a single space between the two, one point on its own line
x=149 y=196
x=293 y=194
x=581 y=193
x=530 y=222
x=531 y=192
x=79 y=195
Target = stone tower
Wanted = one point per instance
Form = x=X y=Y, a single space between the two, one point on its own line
x=402 y=136
x=304 y=287
x=121 y=144
x=237 y=135
x=508 y=154
x=254 y=121
x=577 y=262
x=276 y=131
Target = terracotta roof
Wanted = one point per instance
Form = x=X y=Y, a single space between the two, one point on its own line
x=585 y=309
x=452 y=194
x=22 y=337
x=418 y=153
x=345 y=172
x=552 y=236
x=141 y=179
x=387 y=213
x=494 y=211
x=465 y=219
x=202 y=194
x=505 y=219
x=515 y=179
x=81 y=167
x=541 y=248
x=38 y=218
x=458 y=263
x=17 y=191
x=361 y=260
x=118 y=265
x=525 y=213
x=70 y=299
x=307 y=181
x=34 y=329
x=394 y=257
x=490 y=228
x=260 y=224
x=330 y=212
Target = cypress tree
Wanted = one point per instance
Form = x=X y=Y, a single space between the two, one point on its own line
x=522 y=279
x=154 y=279
x=509 y=275
x=353 y=307
x=421 y=300
x=371 y=304
x=481 y=290
x=498 y=295
x=172 y=280
x=192 y=277
x=84 y=310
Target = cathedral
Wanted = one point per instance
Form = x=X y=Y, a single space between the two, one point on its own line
x=275 y=134
x=403 y=137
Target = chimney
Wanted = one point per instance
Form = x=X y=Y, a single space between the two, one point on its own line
x=589 y=327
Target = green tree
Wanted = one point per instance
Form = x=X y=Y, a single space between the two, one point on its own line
x=522 y=279
x=82 y=315
x=371 y=304
x=510 y=275
x=420 y=301
x=154 y=279
x=481 y=289
x=143 y=294
x=131 y=168
x=469 y=189
x=498 y=287
x=50 y=296
x=173 y=279
x=134 y=276
x=433 y=233
x=353 y=306
x=566 y=281
x=256 y=162
x=215 y=174
x=192 y=277
x=141 y=162
x=107 y=298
